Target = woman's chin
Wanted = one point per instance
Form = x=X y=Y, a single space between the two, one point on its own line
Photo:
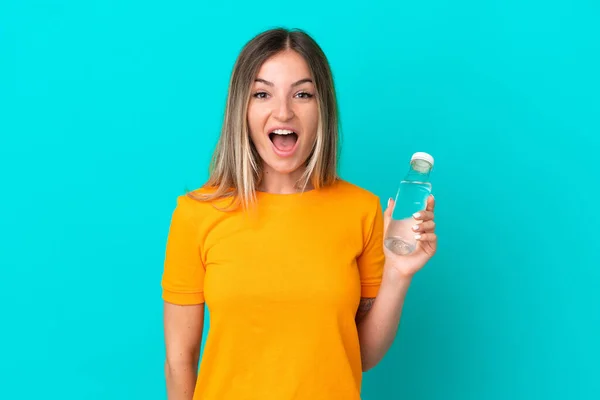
x=284 y=167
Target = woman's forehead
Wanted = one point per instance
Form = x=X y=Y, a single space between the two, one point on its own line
x=285 y=68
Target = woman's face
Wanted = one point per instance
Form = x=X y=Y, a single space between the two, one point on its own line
x=283 y=113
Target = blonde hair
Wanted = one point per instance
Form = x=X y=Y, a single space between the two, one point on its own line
x=236 y=167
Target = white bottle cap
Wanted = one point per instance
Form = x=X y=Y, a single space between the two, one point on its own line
x=422 y=156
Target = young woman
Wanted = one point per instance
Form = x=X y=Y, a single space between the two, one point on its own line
x=287 y=256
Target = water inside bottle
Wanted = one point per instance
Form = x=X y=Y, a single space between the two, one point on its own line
x=411 y=198
x=399 y=245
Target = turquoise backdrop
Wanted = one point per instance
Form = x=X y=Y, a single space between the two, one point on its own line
x=110 y=109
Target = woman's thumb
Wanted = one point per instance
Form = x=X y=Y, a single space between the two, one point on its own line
x=387 y=215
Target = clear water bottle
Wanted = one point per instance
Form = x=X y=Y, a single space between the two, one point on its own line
x=411 y=197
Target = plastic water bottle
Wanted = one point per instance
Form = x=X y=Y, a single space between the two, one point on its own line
x=411 y=197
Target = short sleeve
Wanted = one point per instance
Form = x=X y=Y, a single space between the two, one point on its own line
x=370 y=262
x=183 y=274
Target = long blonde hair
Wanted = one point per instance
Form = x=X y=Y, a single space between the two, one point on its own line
x=236 y=167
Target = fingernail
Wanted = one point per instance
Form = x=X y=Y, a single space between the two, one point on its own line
x=417 y=215
x=418 y=237
x=415 y=227
x=389 y=201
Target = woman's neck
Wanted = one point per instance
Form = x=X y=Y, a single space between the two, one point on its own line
x=278 y=183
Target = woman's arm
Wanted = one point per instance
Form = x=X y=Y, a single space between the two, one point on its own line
x=183 y=334
x=378 y=319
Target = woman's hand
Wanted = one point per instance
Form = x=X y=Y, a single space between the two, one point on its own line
x=423 y=228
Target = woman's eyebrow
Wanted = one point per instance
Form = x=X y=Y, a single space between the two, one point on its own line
x=300 y=82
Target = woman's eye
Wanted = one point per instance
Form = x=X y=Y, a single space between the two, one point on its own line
x=260 y=95
x=304 y=95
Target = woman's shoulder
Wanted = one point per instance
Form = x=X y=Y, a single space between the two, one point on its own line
x=200 y=201
x=356 y=203
x=355 y=192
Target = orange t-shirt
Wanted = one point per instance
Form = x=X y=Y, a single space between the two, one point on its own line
x=282 y=283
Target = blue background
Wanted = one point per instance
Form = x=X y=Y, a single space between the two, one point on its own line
x=110 y=109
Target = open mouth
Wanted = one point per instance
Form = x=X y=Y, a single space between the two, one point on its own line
x=284 y=140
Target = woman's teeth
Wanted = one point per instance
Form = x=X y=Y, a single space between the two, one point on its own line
x=282 y=132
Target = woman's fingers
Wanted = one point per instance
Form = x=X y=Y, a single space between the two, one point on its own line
x=426 y=226
x=423 y=215
x=426 y=237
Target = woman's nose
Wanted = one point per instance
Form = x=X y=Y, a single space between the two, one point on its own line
x=284 y=111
